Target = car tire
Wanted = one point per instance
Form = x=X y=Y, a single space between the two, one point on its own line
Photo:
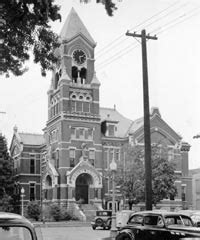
x=93 y=227
x=99 y=222
x=125 y=236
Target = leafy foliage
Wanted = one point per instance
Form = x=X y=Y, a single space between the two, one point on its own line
x=6 y=178
x=110 y=6
x=55 y=212
x=33 y=210
x=24 y=27
x=132 y=178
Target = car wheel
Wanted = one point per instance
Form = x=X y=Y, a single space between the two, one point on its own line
x=99 y=222
x=125 y=236
x=93 y=227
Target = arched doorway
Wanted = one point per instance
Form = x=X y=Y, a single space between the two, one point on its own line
x=82 y=187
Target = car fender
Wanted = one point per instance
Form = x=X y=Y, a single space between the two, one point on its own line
x=129 y=232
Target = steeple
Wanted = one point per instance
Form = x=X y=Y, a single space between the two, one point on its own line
x=73 y=27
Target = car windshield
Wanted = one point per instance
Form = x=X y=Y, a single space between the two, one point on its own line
x=178 y=220
x=104 y=213
x=15 y=233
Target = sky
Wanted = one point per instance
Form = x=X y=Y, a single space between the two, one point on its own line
x=173 y=67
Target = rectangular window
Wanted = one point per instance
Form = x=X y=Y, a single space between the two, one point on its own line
x=79 y=106
x=90 y=132
x=32 y=191
x=73 y=132
x=86 y=133
x=57 y=159
x=73 y=106
x=81 y=132
x=86 y=107
x=111 y=154
x=72 y=157
x=117 y=155
x=170 y=154
x=111 y=130
x=32 y=165
x=92 y=156
x=77 y=133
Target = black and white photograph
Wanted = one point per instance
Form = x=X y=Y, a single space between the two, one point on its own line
x=99 y=119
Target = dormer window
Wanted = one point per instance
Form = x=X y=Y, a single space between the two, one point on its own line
x=111 y=130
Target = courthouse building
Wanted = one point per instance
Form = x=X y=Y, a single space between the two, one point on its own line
x=81 y=138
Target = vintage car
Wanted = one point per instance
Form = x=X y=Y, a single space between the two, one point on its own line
x=102 y=219
x=156 y=225
x=122 y=217
x=16 y=227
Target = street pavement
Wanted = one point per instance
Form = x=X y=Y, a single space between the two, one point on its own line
x=71 y=233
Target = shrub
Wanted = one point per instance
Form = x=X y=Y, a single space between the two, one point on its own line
x=33 y=210
x=56 y=212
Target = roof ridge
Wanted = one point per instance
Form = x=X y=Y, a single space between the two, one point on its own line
x=31 y=133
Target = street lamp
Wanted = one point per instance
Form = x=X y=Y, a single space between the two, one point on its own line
x=113 y=231
x=22 y=196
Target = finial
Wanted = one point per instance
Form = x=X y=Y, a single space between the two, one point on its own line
x=15 y=128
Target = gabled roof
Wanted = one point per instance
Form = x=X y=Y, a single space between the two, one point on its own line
x=123 y=124
x=73 y=27
x=138 y=123
x=32 y=139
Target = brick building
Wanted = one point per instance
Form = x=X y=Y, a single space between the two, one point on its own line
x=73 y=152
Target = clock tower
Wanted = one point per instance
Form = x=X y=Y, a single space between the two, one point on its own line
x=73 y=132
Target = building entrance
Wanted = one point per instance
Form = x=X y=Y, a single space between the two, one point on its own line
x=83 y=182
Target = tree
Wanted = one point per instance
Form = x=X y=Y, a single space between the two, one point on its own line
x=132 y=178
x=25 y=27
x=110 y=6
x=7 y=196
x=34 y=210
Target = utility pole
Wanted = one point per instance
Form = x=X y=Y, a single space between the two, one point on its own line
x=147 y=134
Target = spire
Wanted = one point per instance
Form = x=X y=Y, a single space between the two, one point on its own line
x=64 y=77
x=95 y=80
x=73 y=27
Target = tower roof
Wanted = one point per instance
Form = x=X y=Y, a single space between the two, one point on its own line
x=73 y=27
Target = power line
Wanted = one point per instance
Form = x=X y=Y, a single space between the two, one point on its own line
x=197 y=10
x=117 y=55
x=111 y=47
x=138 y=25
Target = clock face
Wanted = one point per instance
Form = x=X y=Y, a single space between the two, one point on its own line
x=79 y=56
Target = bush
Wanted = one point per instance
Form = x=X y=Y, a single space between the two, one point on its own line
x=33 y=210
x=55 y=212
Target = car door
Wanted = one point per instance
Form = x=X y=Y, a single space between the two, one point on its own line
x=154 y=228
x=136 y=225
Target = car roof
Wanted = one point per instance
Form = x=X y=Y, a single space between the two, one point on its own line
x=12 y=218
x=163 y=213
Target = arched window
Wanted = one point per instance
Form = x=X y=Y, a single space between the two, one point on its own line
x=48 y=181
x=83 y=74
x=81 y=97
x=74 y=74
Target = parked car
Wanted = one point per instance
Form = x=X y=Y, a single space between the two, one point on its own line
x=16 y=227
x=102 y=219
x=122 y=217
x=194 y=214
x=156 y=225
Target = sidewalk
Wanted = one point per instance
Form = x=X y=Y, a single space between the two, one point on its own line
x=62 y=224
